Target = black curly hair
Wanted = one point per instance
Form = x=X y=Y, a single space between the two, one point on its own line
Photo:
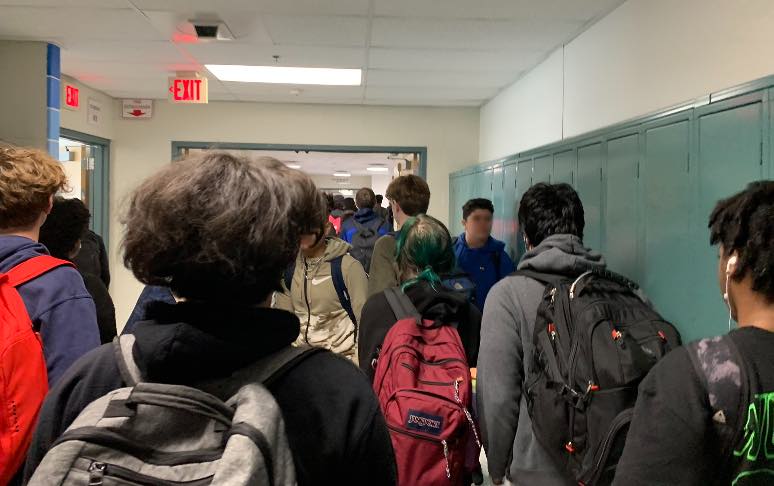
x=744 y=223
x=64 y=227
x=549 y=209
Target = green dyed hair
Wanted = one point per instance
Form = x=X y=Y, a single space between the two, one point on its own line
x=424 y=247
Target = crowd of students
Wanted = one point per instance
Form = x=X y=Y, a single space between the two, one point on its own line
x=244 y=259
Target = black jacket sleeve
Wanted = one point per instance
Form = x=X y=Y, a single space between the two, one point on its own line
x=92 y=376
x=376 y=320
x=669 y=441
x=104 y=263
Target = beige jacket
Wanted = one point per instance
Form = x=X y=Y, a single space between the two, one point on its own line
x=313 y=298
x=384 y=268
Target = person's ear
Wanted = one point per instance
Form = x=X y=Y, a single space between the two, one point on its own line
x=50 y=205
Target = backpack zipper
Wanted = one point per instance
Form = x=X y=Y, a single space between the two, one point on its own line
x=442 y=442
x=604 y=450
x=431 y=363
x=308 y=305
x=426 y=382
x=99 y=470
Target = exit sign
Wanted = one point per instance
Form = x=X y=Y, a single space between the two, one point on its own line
x=71 y=96
x=188 y=90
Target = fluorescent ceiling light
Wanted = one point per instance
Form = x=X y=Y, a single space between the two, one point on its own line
x=378 y=168
x=342 y=174
x=293 y=166
x=286 y=75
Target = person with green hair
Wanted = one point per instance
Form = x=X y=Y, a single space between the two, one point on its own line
x=424 y=253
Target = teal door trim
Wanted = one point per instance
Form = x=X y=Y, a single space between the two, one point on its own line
x=99 y=182
x=178 y=146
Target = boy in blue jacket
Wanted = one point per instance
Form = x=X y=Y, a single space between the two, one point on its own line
x=58 y=303
x=478 y=254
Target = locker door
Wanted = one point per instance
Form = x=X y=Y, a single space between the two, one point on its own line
x=668 y=211
x=589 y=187
x=497 y=202
x=730 y=156
x=510 y=208
x=564 y=167
x=621 y=207
x=454 y=204
x=543 y=169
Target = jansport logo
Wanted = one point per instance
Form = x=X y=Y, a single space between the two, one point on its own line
x=424 y=422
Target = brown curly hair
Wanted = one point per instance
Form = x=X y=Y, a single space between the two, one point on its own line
x=28 y=179
x=218 y=226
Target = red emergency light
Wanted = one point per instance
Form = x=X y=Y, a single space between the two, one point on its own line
x=71 y=96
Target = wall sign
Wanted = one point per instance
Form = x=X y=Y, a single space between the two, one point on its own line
x=71 y=97
x=94 y=112
x=137 y=108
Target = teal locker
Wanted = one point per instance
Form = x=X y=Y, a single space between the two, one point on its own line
x=667 y=207
x=523 y=182
x=497 y=202
x=564 y=167
x=543 y=169
x=730 y=153
x=621 y=237
x=589 y=187
x=510 y=209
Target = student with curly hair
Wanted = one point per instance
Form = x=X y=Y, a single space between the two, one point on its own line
x=62 y=233
x=704 y=412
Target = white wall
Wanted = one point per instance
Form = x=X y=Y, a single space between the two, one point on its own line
x=143 y=146
x=330 y=182
x=644 y=56
x=23 y=93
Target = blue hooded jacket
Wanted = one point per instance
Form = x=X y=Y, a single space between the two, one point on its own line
x=481 y=264
x=58 y=304
x=366 y=217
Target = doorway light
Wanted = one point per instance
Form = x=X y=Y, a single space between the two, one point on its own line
x=342 y=174
x=286 y=75
x=377 y=168
x=292 y=165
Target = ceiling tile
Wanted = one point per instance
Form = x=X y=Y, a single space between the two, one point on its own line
x=65 y=3
x=422 y=102
x=428 y=93
x=318 y=31
x=576 y=10
x=291 y=7
x=123 y=51
x=72 y=23
x=470 y=34
x=454 y=79
x=454 y=60
x=310 y=91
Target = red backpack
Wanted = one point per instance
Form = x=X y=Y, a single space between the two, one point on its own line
x=423 y=385
x=23 y=377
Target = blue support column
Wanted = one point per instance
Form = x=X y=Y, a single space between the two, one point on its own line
x=53 y=90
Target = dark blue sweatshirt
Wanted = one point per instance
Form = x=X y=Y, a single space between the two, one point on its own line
x=366 y=217
x=481 y=264
x=59 y=306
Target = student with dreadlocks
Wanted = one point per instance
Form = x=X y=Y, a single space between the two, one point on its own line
x=424 y=251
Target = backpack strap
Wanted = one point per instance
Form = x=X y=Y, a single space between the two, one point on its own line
x=122 y=348
x=725 y=390
x=34 y=268
x=401 y=305
x=337 y=275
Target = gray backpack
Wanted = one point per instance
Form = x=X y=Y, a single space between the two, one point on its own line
x=157 y=434
x=363 y=242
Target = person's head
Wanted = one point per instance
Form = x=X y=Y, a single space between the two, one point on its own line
x=29 y=179
x=338 y=202
x=365 y=198
x=329 y=201
x=477 y=216
x=424 y=250
x=349 y=204
x=220 y=227
x=379 y=199
x=550 y=209
x=64 y=227
x=742 y=227
x=409 y=195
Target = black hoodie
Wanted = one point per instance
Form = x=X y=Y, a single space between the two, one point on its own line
x=441 y=305
x=333 y=422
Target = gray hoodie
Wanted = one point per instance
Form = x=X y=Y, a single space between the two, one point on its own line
x=505 y=359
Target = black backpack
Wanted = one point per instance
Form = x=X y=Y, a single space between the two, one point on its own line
x=595 y=339
x=363 y=242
